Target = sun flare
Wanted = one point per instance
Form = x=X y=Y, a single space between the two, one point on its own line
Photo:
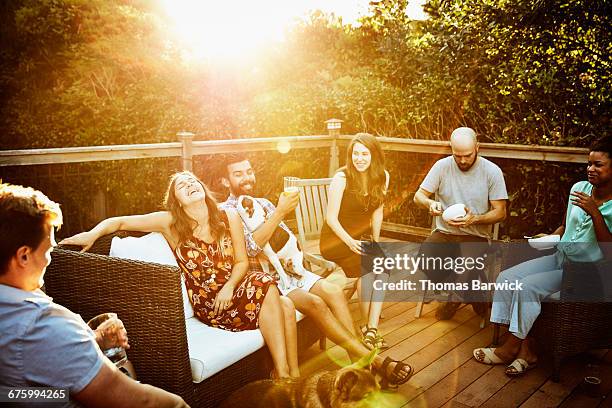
x=232 y=29
x=228 y=29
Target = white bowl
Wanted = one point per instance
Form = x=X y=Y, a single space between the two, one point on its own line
x=545 y=242
x=453 y=212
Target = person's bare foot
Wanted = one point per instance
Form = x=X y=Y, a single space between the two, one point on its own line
x=508 y=351
x=527 y=352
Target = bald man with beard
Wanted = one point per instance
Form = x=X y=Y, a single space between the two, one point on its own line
x=478 y=183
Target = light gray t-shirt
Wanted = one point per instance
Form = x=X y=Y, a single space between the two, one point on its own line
x=483 y=182
x=44 y=344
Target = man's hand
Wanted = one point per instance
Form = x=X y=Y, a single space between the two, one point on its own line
x=111 y=333
x=435 y=208
x=461 y=222
x=223 y=299
x=287 y=203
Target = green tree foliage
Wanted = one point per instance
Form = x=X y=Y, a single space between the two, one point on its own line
x=99 y=72
x=524 y=71
x=78 y=72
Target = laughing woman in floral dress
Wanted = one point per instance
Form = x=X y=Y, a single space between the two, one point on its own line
x=209 y=247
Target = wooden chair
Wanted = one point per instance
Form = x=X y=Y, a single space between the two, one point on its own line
x=492 y=268
x=310 y=216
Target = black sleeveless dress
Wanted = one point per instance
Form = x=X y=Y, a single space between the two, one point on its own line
x=355 y=216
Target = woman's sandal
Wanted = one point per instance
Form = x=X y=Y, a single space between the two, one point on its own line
x=488 y=356
x=519 y=367
x=392 y=380
x=371 y=338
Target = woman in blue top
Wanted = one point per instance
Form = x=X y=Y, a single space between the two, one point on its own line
x=588 y=222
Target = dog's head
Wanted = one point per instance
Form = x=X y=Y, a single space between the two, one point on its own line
x=251 y=212
x=354 y=387
x=246 y=203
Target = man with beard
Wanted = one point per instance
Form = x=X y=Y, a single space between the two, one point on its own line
x=463 y=178
x=322 y=301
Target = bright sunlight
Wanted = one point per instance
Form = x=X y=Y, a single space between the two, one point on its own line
x=232 y=29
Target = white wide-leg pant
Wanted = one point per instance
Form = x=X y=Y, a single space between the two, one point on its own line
x=519 y=309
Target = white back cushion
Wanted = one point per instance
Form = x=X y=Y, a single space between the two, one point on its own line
x=152 y=247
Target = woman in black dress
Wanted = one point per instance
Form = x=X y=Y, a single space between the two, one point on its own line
x=355 y=214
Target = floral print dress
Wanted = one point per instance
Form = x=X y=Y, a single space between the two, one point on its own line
x=207 y=267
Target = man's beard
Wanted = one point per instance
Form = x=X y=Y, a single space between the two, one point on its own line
x=244 y=191
x=466 y=168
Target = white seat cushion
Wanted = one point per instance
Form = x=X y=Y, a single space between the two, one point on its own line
x=210 y=350
x=152 y=247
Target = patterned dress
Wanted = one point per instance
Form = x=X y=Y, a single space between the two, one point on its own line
x=206 y=268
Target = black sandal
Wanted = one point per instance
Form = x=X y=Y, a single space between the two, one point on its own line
x=390 y=381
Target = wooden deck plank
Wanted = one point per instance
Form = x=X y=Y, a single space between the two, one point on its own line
x=552 y=394
x=440 y=381
x=411 y=343
x=449 y=386
x=433 y=351
x=445 y=373
x=578 y=398
x=335 y=354
x=517 y=390
x=480 y=391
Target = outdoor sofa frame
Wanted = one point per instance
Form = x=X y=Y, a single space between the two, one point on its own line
x=147 y=298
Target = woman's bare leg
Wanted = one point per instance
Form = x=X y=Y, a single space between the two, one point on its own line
x=376 y=302
x=527 y=351
x=271 y=323
x=290 y=336
x=364 y=303
x=333 y=295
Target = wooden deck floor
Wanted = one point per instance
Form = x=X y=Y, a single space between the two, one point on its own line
x=446 y=375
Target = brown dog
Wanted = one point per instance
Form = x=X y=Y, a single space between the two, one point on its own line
x=349 y=387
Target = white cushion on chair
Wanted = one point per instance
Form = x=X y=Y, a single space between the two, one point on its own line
x=210 y=349
x=152 y=247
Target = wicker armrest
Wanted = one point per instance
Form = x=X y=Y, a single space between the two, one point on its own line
x=147 y=298
x=587 y=281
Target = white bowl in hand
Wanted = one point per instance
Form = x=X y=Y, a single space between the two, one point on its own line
x=454 y=212
x=545 y=242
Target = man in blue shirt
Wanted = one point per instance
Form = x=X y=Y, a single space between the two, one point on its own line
x=43 y=343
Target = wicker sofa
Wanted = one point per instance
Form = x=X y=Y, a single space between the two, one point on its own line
x=147 y=297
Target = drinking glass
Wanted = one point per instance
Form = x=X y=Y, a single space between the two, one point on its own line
x=115 y=354
x=291 y=186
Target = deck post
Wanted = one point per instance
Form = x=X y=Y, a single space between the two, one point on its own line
x=333 y=127
x=186 y=138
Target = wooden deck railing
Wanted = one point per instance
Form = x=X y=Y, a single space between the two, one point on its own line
x=187 y=148
x=143 y=151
